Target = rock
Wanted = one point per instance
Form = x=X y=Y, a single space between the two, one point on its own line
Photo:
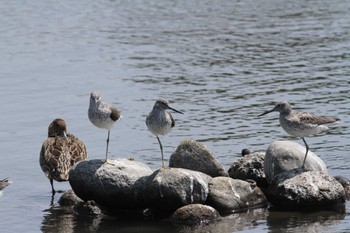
x=69 y=198
x=168 y=189
x=88 y=208
x=310 y=190
x=230 y=195
x=251 y=166
x=195 y=214
x=116 y=185
x=283 y=156
x=195 y=156
x=345 y=182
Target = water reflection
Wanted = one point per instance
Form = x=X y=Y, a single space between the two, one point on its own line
x=318 y=221
x=61 y=219
x=58 y=219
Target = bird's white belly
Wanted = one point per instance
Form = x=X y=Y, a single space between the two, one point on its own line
x=160 y=125
x=101 y=120
x=299 y=129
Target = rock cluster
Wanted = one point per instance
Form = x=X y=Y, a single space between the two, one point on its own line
x=196 y=188
x=127 y=185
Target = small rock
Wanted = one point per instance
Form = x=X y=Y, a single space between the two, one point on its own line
x=116 y=185
x=283 y=156
x=345 y=182
x=298 y=189
x=195 y=156
x=69 y=198
x=231 y=195
x=88 y=208
x=251 y=166
x=195 y=214
x=168 y=189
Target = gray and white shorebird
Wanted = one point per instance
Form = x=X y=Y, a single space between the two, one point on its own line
x=4 y=183
x=102 y=115
x=59 y=152
x=300 y=124
x=160 y=121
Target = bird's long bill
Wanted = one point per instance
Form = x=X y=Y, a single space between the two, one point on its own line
x=175 y=110
x=266 y=112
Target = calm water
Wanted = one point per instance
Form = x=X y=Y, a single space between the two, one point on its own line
x=222 y=63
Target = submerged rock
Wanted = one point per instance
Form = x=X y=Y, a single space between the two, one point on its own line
x=231 y=195
x=69 y=198
x=88 y=208
x=310 y=190
x=195 y=214
x=195 y=156
x=250 y=167
x=282 y=156
x=168 y=189
x=116 y=185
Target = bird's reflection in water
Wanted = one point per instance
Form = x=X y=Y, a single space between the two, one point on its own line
x=62 y=219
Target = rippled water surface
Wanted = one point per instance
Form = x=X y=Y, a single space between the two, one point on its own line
x=220 y=62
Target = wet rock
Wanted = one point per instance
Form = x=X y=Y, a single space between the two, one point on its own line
x=88 y=208
x=345 y=182
x=251 y=166
x=231 y=195
x=195 y=214
x=297 y=189
x=116 y=185
x=195 y=156
x=69 y=198
x=168 y=189
x=283 y=156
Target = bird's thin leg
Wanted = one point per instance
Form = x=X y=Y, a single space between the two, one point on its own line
x=107 y=146
x=161 y=150
x=307 y=149
x=52 y=188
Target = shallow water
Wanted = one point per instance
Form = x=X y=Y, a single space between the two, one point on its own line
x=221 y=63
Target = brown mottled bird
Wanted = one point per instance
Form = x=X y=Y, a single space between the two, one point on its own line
x=59 y=152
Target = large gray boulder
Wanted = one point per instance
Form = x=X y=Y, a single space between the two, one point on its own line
x=231 y=195
x=117 y=184
x=284 y=156
x=194 y=155
x=168 y=189
x=297 y=189
x=250 y=167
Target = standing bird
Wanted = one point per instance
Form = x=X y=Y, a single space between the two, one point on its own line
x=300 y=124
x=59 y=152
x=160 y=122
x=102 y=115
x=4 y=183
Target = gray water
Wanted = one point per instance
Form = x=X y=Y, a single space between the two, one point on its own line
x=220 y=62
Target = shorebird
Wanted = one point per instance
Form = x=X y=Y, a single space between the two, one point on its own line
x=59 y=152
x=102 y=115
x=160 y=122
x=245 y=152
x=4 y=183
x=300 y=124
